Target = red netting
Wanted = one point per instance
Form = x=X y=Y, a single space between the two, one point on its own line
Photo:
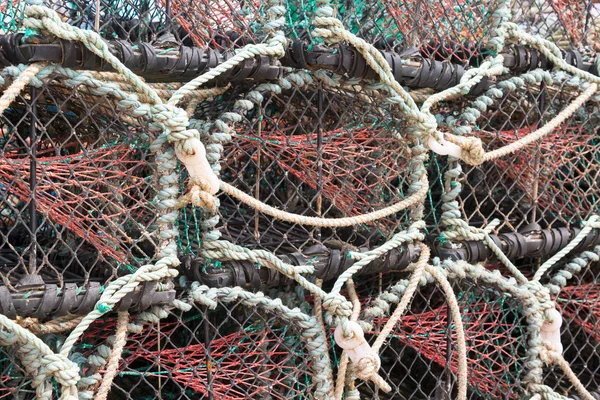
x=572 y=16
x=565 y=171
x=491 y=337
x=357 y=164
x=89 y=192
x=208 y=22
x=446 y=28
x=247 y=364
x=580 y=304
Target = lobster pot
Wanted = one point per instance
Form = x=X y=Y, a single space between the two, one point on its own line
x=551 y=182
x=77 y=187
x=315 y=151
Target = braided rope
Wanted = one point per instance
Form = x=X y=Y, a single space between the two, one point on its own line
x=592 y=223
x=408 y=295
x=344 y=374
x=410 y=201
x=41 y=362
x=112 y=367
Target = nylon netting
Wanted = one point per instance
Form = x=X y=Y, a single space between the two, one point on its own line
x=126 y=273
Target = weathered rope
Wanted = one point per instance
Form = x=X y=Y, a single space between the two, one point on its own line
x=112 y=367
x=60 y=324
x=10 y=94
x=343 y=371
x=592 y=223
x=410 y=201
x=41 y=362
x=115 y=292
x=459 y=328
x=413 y=284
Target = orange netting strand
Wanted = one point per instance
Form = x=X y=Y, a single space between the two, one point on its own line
x=4 y=4
x=491 y=343
x=565 y=156
x=580 y=305
x=358 y=166
x=205 y=19
x=5 y=391
x=89 y=192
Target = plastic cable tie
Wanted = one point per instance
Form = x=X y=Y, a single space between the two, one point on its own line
x=444 y=148
x=197 y=165
x=357 y=346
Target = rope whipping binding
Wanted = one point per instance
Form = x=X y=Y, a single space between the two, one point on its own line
x=171 y=125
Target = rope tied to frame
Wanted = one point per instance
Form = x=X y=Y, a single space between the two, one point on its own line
x=199 y=194
x=474 y=154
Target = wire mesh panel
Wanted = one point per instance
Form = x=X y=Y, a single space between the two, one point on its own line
x=568 y=24
x=416 y=357
x=552 y=182
x=77 y=187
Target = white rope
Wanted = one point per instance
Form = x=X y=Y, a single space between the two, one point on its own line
x=250 y=201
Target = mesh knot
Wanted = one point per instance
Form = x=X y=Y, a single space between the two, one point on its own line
x=337 y=304
x=199 y=195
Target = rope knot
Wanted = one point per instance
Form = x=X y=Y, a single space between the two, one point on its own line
x=366 y=369
x=367 y=366
x=60 y=368
x=547 y=353
x=199 y=195
x=175 y=122
x=337 y=304
x=473 y=152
